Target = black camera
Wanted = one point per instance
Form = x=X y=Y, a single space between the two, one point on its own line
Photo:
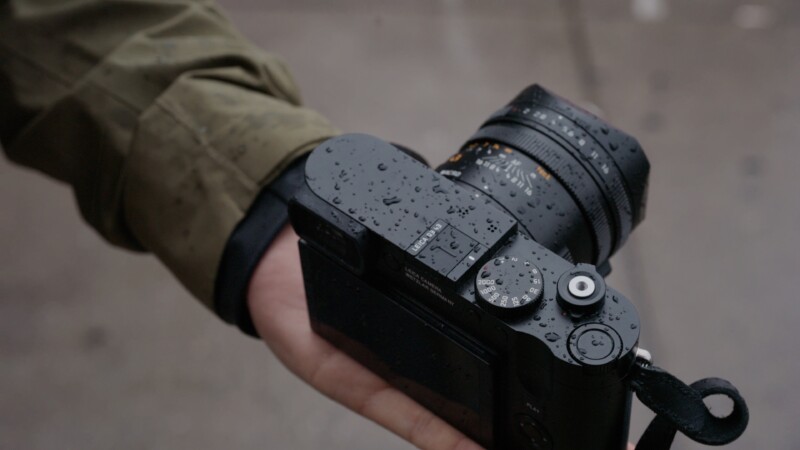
x=478 y=289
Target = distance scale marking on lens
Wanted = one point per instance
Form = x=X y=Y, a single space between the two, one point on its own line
x=502 y=163
x=509 y=283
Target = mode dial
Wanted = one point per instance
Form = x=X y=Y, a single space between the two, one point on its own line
x=509 y=283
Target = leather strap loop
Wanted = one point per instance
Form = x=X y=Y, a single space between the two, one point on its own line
x=679 y=407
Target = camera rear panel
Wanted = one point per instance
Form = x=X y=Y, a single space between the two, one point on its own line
x=413 y=348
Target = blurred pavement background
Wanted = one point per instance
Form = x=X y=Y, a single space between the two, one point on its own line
x=102 y=349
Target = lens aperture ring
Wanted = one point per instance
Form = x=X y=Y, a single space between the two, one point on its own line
x=564 y=166
x=587 y=150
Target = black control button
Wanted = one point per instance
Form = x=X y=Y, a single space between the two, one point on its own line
x=581 y=290
x=535 y=436
x=509 y=283
x=594 y=344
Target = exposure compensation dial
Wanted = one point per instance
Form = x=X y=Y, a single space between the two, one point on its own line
x=509 y=284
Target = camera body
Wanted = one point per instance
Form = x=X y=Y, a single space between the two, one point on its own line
x=431 y=285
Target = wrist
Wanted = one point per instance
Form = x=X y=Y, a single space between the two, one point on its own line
x=252 y=239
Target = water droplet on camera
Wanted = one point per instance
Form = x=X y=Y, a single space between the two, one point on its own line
x=391 y=200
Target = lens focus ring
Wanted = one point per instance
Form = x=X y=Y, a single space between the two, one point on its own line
x=587 y=151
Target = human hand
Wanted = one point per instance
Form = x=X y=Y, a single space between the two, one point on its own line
x=277 y=304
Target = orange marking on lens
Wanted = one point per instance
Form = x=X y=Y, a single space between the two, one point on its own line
x=545 y=174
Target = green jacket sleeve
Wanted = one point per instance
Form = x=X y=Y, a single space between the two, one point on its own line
x=162 y=118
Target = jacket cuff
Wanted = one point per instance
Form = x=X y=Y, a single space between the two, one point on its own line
x=249 y=241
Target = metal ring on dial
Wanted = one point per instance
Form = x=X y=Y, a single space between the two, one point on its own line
x=581 y=286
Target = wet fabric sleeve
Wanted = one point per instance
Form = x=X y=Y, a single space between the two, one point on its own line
x=166 y=123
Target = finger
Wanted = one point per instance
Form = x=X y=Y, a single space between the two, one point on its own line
x=412 y=422
x=347 y=382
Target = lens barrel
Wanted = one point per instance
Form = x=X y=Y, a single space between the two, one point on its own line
x=576 y=185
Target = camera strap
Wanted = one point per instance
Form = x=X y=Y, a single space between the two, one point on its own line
x=680 y=407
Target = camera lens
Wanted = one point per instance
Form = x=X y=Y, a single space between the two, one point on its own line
x=575 y=184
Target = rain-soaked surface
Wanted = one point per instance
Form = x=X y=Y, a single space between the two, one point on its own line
x=102 y=349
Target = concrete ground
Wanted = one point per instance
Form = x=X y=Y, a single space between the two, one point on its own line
x=101 y=349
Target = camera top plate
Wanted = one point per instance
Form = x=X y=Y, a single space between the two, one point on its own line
x=410 y=206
